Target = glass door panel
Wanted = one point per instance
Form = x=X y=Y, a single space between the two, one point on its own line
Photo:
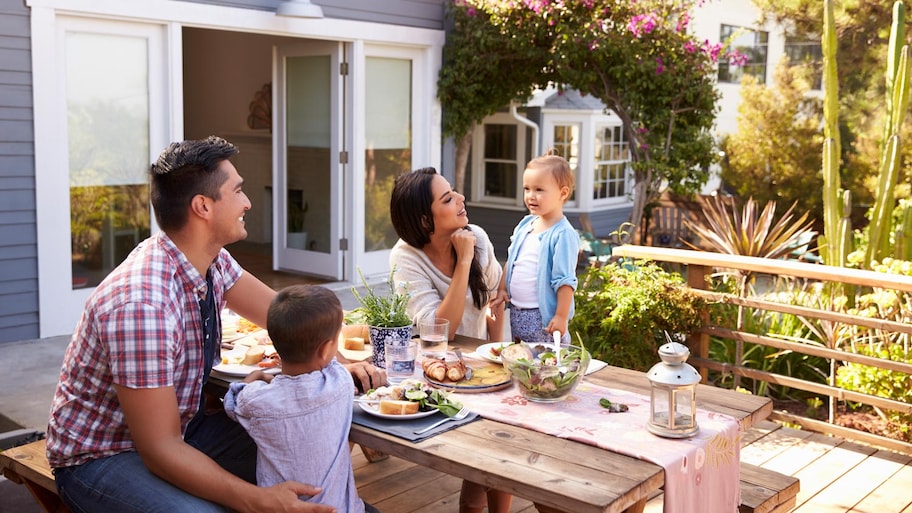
x=308 y=169
x=107 y=110
x=388 y=152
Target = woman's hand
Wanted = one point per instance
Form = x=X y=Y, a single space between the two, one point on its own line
x=464 y=244
x=500 y=298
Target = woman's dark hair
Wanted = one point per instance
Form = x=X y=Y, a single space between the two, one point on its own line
x=413 y=220
x=300 y=318
x=183 y=170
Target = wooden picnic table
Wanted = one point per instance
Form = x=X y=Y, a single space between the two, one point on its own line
x=556 y=474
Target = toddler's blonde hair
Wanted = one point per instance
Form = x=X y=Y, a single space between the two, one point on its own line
x=559 y=169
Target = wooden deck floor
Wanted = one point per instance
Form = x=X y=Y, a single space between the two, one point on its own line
x=836 y=476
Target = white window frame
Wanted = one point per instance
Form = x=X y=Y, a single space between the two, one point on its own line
x=628 y=175
x=478 y=161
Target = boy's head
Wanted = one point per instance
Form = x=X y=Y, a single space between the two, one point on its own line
x=557 y=167
x=301 y=318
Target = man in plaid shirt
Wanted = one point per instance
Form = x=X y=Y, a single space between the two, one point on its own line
x=128 y=428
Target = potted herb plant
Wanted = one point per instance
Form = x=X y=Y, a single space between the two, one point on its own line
x=386 y=317
x=297 y=237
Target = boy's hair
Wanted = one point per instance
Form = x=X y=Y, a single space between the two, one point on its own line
x=183 y=170
x=301 y=318
x=559 y=168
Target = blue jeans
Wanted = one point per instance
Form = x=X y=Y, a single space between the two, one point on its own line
x=122 y=483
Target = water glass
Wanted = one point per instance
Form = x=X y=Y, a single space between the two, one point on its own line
x=400 y=362
x=433 y=335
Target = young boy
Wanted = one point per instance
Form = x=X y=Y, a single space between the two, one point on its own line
x=300 y=419
x=539 y=277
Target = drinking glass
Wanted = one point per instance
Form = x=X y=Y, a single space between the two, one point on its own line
x=400 y=362
x=433 y=336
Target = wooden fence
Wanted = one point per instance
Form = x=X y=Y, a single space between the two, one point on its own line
x=700 y=264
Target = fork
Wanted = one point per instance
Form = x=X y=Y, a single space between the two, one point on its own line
x=461 y=414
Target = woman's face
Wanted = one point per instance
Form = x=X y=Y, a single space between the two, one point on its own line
x=448 y=207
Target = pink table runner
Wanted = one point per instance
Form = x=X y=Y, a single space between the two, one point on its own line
x=701 y=472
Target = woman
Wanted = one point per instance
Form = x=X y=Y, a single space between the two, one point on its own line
x=451 y=272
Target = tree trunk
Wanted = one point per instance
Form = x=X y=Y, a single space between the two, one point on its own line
x=463 y=145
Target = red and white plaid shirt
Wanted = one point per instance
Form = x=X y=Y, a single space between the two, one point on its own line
x=141 y=328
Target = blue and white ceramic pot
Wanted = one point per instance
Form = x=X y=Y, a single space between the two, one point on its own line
x=381 y=336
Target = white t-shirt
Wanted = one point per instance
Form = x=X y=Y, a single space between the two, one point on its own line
x=524 y=280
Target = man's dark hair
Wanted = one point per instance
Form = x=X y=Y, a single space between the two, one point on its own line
x=300 y=318
x=183 y=170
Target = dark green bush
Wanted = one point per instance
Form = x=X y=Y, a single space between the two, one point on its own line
x=622 y=311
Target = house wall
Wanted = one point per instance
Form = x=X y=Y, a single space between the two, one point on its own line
x=19 y=306
x=412 y=13
x=18 y=233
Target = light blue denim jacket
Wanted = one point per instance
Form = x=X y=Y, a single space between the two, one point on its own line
x=556 y=262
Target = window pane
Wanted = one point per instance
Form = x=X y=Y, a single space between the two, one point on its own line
x=566 y=144
x=611 y=158
x=388 y=110
x=802 y=52
x=107 y=99
x=500 y=164
x=753 y=45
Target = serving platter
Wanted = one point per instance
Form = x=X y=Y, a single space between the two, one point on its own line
x=486 y=377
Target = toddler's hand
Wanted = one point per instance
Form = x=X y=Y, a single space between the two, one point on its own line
x=500 y=298
x=557 y=323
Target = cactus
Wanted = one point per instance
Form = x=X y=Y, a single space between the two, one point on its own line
x=835 y=243
x=902 y=250
x=830 y=251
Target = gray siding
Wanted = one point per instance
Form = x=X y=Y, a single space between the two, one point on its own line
x=499 y=223
x=18 y=232
x=411 y=13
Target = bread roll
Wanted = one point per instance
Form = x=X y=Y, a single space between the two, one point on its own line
x=388 y=407
x=435 y=369
x=354 y=343
x=254 y=355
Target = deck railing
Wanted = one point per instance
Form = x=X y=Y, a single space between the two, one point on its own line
x=699 y=264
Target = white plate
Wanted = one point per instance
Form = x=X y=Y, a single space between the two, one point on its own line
x=484 y=351
x=373 y=410
x=236 y=369
x=233 y=337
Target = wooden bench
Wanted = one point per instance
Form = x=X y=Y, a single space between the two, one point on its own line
x=28 y=465
x=767 y=491
x=762 y=490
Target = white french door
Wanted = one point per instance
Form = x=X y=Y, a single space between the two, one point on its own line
x=308 y=121
x=101 y=86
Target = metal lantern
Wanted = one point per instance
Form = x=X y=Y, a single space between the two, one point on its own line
x=673 y=401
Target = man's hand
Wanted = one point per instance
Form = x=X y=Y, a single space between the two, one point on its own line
x=286 y=497
x=366 y=376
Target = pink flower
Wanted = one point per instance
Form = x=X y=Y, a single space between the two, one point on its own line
x=471 y=12
x=659 y=66
x=690 y=47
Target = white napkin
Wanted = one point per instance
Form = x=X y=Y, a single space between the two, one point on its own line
x=595 y=366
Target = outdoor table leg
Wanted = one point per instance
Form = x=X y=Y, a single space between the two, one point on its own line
x=373 y=455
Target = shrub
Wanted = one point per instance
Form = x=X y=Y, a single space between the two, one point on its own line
x=622 y=311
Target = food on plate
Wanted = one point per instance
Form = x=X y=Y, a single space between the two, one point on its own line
x=354 y=343
x=393 y=407
x=496 y=350
x=257 y=339
x=455 y=371
x=434 y=369
x=245 y=326
x=442 y=370
x=254 y=355
x=414 y=391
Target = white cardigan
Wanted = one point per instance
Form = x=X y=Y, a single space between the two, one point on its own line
x=427 y=286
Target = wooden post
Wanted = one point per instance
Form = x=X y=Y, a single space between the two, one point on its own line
x=699 y=342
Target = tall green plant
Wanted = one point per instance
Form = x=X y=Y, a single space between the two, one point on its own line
x=836 y=242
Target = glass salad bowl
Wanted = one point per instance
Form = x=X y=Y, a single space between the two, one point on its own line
x=543 y=375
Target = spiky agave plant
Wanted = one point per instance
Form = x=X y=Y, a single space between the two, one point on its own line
x=747 y=232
